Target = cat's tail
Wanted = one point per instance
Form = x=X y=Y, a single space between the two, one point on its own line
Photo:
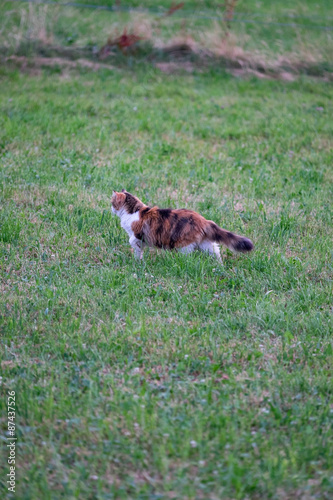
x=234 y=242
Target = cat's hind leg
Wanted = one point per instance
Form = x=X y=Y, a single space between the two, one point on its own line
x=188 y=249
x=137 y=246
x=212 y=248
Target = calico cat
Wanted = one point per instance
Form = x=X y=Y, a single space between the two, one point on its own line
x=180 y=229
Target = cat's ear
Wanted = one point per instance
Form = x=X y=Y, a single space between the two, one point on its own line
x=123 y=190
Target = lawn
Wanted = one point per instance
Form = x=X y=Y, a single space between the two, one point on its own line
x=172 y=377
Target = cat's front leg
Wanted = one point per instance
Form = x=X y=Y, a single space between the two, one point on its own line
x=137 y=246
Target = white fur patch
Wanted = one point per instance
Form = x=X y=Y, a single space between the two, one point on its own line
x=126 y=220
x=189 y=248
x=211 y=248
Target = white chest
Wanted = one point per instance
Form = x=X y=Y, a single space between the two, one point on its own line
x=126 y=221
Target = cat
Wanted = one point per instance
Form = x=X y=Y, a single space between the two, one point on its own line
x=181 y=229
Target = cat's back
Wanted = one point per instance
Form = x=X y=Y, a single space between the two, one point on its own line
x=169 y=228
x=165 y=214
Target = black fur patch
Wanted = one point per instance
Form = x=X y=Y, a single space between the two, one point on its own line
x=139 y=235
x=243 y=245
x=132 y=204
x=164 y=213
x=177 y=231
x=145 y=210
x=159 y=233
x=217 y=234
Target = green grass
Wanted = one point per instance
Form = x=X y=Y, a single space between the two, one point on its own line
x=269 y=38
x=173 y=377
x=317 y=8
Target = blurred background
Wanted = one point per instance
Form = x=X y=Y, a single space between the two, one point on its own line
x=243 y=35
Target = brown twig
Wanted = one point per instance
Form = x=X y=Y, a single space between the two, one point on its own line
x=174 y=7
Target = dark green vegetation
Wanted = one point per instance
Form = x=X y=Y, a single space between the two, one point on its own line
x=174 y=377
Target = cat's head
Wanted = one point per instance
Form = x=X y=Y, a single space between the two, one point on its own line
x=125 y=202
x=117 y=201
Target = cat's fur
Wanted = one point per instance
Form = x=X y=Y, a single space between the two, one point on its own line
x=180 y=229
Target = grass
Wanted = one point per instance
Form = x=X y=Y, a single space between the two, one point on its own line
x=269 y=41
x=174 y=377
